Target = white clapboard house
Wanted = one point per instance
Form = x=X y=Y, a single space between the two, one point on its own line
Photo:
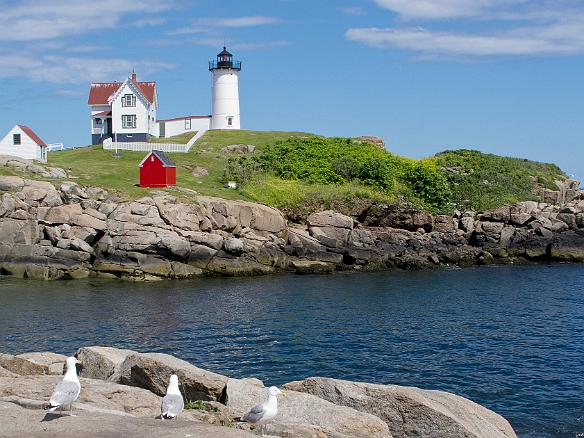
x=22 y=142
x=123 y=111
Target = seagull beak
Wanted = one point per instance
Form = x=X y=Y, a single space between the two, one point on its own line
x=78 y=362
x=281 y=393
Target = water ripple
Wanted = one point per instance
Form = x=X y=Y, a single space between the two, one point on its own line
x=509 y=338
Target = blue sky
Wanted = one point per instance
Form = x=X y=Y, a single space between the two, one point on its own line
x=499 y=76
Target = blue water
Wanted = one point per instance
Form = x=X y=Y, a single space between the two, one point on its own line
x=509 y=338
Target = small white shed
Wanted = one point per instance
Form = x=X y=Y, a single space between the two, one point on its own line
x=22 y=142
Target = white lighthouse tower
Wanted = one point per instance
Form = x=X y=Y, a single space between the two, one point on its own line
x=225 y=91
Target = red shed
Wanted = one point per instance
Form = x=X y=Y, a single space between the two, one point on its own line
x=157 y=170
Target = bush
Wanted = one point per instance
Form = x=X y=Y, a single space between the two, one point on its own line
x=484 y=181
x=429 y=186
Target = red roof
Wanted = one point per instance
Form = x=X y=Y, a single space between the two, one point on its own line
x=102 y=114
x=32 y=135
x=100 y=92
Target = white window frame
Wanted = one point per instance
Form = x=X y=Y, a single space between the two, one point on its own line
x=188 y=124
x=129 y=121
x=128 y=100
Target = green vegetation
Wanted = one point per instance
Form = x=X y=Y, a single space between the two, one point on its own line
x=94 y=166
x=177 y=139
x=201 y=406
x=299 y=173
x=350 y=168
x=484 y=181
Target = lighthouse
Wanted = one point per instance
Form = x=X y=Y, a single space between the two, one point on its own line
x=225 y=112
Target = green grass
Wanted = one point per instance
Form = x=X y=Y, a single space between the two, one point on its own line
x=351 y=176
x=94 y=166
x=177 y=139
x=200 y=405
x=486 y=181
x=297 y=198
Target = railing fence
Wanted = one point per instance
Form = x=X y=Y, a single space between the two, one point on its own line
x=110 y=145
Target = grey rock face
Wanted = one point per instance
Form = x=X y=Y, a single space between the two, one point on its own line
x=74 y=232
x=298 y=413
x=315 y=407
x=411 y=411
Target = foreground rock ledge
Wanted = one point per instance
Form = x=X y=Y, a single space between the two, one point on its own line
x=313 y=408
x=65 y=231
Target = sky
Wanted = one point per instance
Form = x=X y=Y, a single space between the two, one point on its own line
x=499 y=76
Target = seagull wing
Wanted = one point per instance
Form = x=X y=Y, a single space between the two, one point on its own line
x=172 y=405
x=65 y=393
x=256 y=414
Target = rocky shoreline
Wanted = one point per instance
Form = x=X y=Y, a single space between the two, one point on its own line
x=120 y=387
x=65 y=231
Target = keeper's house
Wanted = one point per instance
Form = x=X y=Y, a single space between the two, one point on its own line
x=22 y=142
x=123 y=111
x=157 y=170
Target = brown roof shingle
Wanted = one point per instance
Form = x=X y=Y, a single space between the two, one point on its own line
x=100 y=92
x=32 y=135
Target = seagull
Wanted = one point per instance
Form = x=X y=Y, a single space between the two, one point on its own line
x=172 y=403
x=264 y=412
x=68 y=389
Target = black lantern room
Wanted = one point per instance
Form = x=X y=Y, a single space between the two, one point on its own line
x=224 y=60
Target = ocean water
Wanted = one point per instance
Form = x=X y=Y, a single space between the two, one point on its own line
x=509 y=338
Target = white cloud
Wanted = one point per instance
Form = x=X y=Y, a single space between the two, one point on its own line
x=31 y=20
x=60 y=69
x=521 y=31
x=558 y=39
x=255 y=20
x=443 y=8
x=204 y=25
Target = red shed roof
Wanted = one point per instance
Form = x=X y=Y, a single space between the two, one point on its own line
x=164 y=159
x=100 y=92
x=32 y=135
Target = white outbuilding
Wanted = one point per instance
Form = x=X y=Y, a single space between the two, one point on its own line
x=22 y=142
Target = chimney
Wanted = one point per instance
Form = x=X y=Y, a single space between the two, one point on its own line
x=134 y=75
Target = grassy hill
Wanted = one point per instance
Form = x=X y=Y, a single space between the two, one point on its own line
x=300 y=172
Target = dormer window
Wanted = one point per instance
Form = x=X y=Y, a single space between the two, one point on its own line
x=128 y=100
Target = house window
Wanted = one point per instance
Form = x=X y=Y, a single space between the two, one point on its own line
x=128 y=100
x=229 y=121
x=129 y=121
x=15 y=138
x=187 y=123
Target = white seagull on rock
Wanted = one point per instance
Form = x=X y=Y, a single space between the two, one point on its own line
x=66 y=391
x=265 y=412
x=172 y=403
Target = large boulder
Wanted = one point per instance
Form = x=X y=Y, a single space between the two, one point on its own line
x=30 y=364
x=103 y=363
x=8 y=183
x=410 y=411
x=300 y=414
x=151 y=371
x=568 y=247
x=228 y=215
